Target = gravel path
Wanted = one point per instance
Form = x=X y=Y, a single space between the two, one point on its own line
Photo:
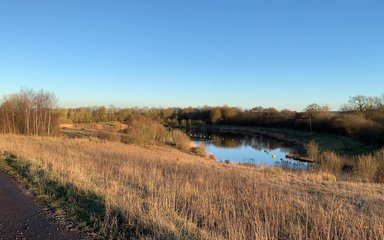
x=22 y=218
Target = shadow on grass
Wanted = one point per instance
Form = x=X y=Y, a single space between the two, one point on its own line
x=85 y=209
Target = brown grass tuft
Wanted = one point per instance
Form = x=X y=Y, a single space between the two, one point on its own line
x=330 y=162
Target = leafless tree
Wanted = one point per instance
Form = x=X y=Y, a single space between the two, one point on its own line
x=29 y=112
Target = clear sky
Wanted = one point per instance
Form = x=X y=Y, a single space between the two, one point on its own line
x=285 y=53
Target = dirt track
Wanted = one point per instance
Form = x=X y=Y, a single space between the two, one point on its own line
x=22 y=218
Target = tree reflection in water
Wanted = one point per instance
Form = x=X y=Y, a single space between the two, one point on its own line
x=247 y=149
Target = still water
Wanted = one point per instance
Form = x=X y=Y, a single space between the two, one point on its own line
x=247 y=149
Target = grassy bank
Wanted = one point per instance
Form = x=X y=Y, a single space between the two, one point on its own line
x=123 y=191
x=326 y=142
x=82 y=210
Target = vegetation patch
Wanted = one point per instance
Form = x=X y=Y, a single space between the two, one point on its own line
x=126 y=191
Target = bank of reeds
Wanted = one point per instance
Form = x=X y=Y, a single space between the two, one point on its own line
x=312 y=149
x=124 y=191
x=364 y=167
x=370 y=167
x=330 y=162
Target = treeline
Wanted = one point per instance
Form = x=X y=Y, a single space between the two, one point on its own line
x=32 y=112
x=361 y=117
x=173 y=116
x=104 y=114
x=29 y=112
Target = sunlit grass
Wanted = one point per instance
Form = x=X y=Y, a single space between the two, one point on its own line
x=161 y=193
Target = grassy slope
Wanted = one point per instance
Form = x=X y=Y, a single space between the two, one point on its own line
x=326 y=141
x=127 y=191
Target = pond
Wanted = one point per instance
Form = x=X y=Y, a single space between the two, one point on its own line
x=247 y=149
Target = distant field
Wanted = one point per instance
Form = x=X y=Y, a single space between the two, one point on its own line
x=124 y=191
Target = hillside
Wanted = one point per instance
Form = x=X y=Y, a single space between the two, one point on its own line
x=120 y=190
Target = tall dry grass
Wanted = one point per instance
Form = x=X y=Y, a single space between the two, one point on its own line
x=379 y=155
x=364 y=167
x=312 y=149
x=180 y=139
x=367 y=167
x=330 y=162
x=161 y=193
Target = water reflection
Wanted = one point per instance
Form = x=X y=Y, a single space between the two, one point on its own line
x=247 y=149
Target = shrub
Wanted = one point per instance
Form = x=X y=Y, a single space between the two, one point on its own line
x=146 y=133
x=330 y=162
x=379 y=155
x=367 y=166
x=356 y=125
x=312 y=149
x=200 y=151
x=181 y=140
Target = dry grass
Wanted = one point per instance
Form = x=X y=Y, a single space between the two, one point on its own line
x=312 y=149
x=330 y=162
x=181 y=140
x=367 y=167
x=161 y=193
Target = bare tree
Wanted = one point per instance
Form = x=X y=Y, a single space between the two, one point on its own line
x=314 y=110
x=29 y=112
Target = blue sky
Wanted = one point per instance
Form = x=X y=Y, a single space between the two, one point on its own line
x=285 y=54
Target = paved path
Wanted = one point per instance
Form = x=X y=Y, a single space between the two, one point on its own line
x=22 y=218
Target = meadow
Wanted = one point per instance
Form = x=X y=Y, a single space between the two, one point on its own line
x=120 y=191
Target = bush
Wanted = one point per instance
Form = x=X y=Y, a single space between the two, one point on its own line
x=357 y=126
x=367 y=167
x=330 y=162
x=146 y=133
x=312 y=149
x=181 y=140
x=379 y=155
x=200 y=151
